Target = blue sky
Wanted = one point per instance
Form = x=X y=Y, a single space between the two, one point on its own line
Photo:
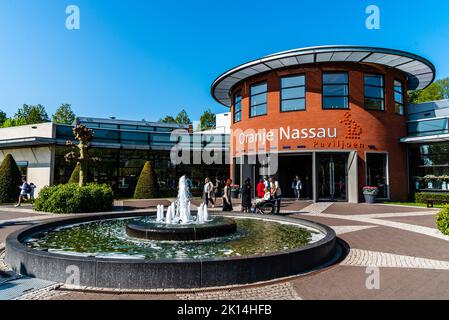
x=140 y=59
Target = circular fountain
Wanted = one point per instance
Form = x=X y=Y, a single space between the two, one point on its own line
x=178 y=224
x=171 y=248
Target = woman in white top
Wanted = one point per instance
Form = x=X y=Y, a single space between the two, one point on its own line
x=276 y=193
x=207 y=194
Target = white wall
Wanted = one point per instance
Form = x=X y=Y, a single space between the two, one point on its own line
x=42 y=130
x=223 y=124
x=40 y=163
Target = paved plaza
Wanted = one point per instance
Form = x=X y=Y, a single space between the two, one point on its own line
x=398 y=244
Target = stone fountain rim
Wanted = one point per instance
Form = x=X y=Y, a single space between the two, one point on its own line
x=15 y=239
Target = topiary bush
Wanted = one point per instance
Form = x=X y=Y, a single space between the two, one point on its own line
x=422 y=197
x=75 y=177
x=10 y=180
x=442 y=220
x=71 y=198
x=147 y=186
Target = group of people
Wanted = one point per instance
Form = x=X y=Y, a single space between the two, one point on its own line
x=26 y=189
x=212 y=191
x=266 y=189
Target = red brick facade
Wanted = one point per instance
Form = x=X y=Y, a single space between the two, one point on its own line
x=358 y=129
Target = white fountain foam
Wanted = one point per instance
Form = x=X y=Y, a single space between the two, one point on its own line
x=180 y=212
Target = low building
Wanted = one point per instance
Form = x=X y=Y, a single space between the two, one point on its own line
x=122 y=147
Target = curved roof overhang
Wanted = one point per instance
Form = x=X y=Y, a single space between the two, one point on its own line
x=419 y=71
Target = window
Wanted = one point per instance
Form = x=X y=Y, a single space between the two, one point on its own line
x=238 y=108
x=398 y=98
x=293 y=93
x=428 y=127
x=258 y=105
x=374 y=92
x=335 y=90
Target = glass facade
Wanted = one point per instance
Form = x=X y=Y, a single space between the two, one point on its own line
x=428 y=127
x=374 y=92
x=293 y=93
x=429 y=165
x=335 y=90
x=123 y=153
x=258 y=104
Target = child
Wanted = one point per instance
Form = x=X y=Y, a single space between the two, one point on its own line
x=32 y=187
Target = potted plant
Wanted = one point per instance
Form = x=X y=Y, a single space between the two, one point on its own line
x=235 y=191
x=370 y=194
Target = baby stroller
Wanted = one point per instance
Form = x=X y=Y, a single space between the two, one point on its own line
x=265 y=207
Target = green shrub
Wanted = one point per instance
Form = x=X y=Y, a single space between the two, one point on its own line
x=10 y=180
x=147 y=186
x=71 y=198
x=442 y=220
x=422 y=197
x=75 y=177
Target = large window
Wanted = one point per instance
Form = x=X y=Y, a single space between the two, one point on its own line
x=429 y=166
x=428 y=127
x=398 y=98
x=335 y=90
x=374 y=92
x=258 y=105
x=293 y=93
x=238 y=108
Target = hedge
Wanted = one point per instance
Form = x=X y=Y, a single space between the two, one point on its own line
x=422 y=197
x=147 y=186
x=10 y=180
x=442 y=220
x=71 y=198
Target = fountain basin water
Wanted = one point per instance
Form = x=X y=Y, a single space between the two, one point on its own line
x=195 y=270
x=150 y=229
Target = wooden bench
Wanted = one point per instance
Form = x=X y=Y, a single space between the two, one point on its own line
x=430 y=202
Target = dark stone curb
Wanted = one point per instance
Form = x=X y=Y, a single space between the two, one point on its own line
x=169 y=273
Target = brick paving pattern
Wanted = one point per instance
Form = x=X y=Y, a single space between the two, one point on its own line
x=282 y=291
x=412 y=255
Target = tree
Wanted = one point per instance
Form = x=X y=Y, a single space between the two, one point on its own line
x=444 y=84
x=84 y=136
x=208 y=120
x=436 y=91
x=10 y=180
x=183 y=118
x=64 y=115
x=31 y=115
x=147 y=186
x=2 y=118
x=168 y=119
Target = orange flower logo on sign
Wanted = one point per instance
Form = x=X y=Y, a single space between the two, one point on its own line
x=354 y=131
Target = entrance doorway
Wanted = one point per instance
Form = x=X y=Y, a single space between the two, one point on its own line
x=291 y=166
x=332 y=177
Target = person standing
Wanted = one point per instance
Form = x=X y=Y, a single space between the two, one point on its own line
x=207 y=194
x=276 y=193
x=227 y=202
x=217 y=189
x=32 y=188
x=298 y=188
x=260 y=189
x=246 y=196
x=295 y=187
x=24 y=188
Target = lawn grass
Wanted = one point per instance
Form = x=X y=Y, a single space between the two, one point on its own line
x=414 y=204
